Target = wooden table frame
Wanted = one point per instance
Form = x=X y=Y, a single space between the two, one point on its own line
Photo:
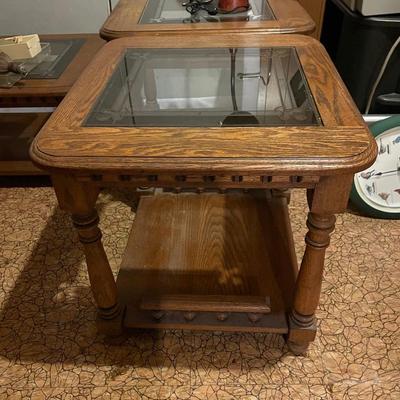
x=46 y=93
x=50 y=92
x=262 y=160
x=124 y=21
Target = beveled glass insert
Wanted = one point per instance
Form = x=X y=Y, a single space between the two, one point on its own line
x=174 y=12
x=56 y=59
x=206 y=87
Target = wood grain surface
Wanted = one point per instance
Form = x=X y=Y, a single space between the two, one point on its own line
x=316 y=9
x=206 y=245
x=290 y=17
x=206 y=303
x=343 y=144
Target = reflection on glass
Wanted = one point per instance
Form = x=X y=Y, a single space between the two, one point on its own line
x=206 y=87
x=56 y=59
x=174 y=12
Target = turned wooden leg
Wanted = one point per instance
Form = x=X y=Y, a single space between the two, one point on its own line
x=308 y=285
x=329 y=197
x=101 y=278
x=80 y=201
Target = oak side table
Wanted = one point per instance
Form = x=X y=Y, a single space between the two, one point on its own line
x=137 y=17
x=224 y=126
x=25 y=107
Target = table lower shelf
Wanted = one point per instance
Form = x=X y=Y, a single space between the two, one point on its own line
x=208 y=262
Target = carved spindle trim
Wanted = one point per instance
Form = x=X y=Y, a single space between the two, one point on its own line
x=254 y=317
x=308 y=286
x=158 y=315
x=302 y=321
x=181 y=178
x=189 y=316
x=296 y=179
x=109 y=313
x=209 y=178
x=87 y=228
x=222 y=316
x=100 y=275
x=237 y=178
x=206 y=181
x=152 y=178
x=266 y=179
x=320 y=228
x=125 y=178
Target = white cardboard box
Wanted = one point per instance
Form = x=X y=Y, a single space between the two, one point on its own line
x=21 y=47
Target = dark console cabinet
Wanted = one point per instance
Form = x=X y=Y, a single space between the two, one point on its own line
x=358 y=46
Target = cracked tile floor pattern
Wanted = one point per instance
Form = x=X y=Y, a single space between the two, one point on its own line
x=49 y=348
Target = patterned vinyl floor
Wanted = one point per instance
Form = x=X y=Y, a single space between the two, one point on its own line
x=49 y=348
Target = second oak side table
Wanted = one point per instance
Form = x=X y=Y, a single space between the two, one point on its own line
x=224 y=126
x=25 y=107
x=158 y=17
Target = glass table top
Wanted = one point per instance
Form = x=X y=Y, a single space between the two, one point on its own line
x=213 y=87
x=175 y=12
x=56 y=59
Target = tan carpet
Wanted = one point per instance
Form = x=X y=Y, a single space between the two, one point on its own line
x=49 y=347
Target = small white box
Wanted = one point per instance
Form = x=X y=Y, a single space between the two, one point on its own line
x=21 y=47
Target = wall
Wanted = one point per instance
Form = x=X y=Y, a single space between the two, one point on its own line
x=52 y=16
